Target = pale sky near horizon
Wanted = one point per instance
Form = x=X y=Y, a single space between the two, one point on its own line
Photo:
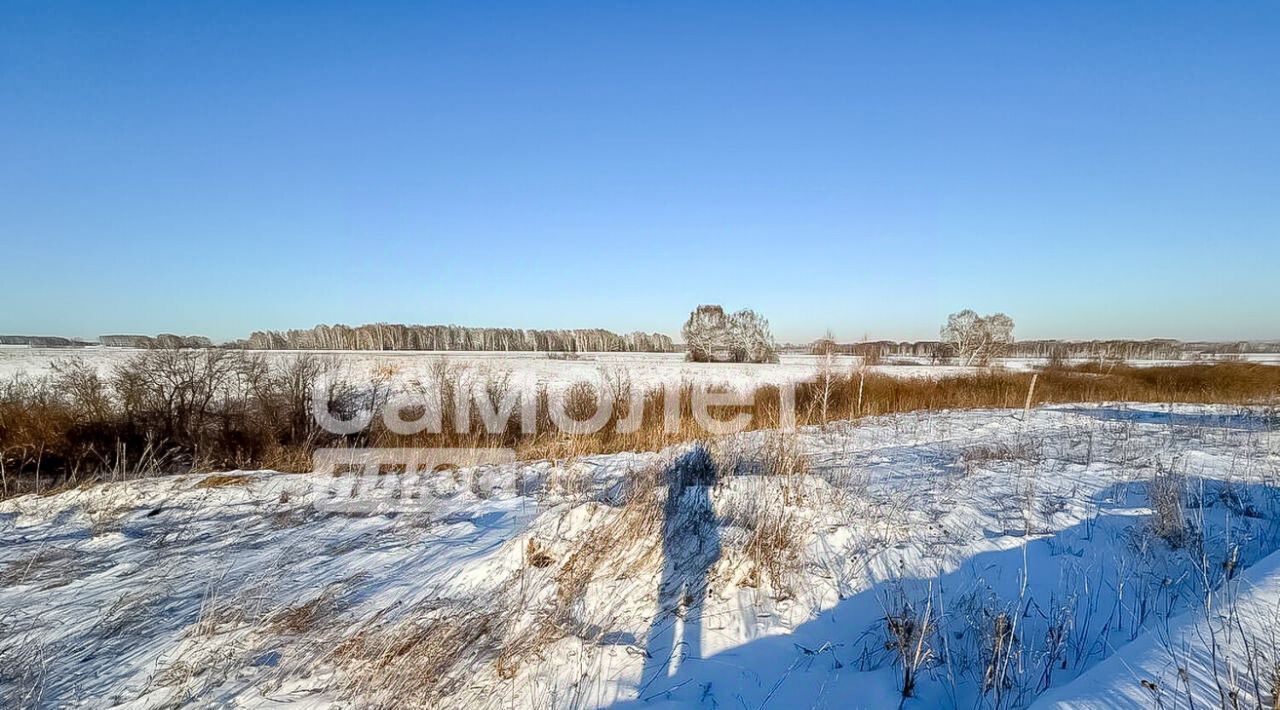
x=1098 y=169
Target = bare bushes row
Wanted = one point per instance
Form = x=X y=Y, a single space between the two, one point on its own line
x=160 y=411
x=172 y=410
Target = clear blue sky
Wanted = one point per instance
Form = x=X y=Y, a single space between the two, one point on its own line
x=1102 y=169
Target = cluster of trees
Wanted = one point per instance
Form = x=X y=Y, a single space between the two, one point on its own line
x=163 y=409
x=1156 y=349
x=164 y=341
x=711 y=335
x=41 y=341
x=976 y=339
x=1153 y=349
x=973 y=339
x=395 y=336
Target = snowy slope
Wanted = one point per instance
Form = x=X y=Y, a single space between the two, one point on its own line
x=1012 y=556
x=1222 y=655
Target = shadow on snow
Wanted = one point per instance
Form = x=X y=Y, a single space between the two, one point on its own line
x=841 y=659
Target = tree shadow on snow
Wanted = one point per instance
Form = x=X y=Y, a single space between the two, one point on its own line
x=1247 y=421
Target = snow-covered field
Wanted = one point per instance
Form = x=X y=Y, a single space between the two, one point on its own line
x=983 y=559
x=646 y=370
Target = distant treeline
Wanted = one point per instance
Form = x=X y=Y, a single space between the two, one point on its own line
x=386 y=336
x=163 y=340
x=42 y=341
x=395 y=336
x=1155 y=349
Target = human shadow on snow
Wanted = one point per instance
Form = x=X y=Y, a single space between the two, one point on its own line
x=690 y=548
x=840 y=658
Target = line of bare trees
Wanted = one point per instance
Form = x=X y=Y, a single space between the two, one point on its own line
x=163 y=341
x=1154 y=349
x=396 y=336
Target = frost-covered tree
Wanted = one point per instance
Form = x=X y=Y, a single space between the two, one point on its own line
x=706 y=333
x=711 y=335
x=750 y=339
x=976 y=339
x=825 y=348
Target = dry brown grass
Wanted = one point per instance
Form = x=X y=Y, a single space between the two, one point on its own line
x=305 y=616
x=773 y=548
x=1167 y=493
x=49 y=437
x=628 y=537
x=416 y=661
x=427 y=657
x=634 y=532
x=765 y=547
x=222 y=480
x=537 y=557
x=976 y=456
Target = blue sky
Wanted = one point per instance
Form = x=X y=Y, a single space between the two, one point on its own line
x=1107 y=169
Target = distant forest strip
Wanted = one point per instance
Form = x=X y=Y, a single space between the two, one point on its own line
x=392 y=336
x=385 y=336
x=1154 y=349
x=395 y=336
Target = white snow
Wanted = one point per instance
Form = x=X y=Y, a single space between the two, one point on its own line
x=159 y=592
x=1223 y=654
x=647 y=370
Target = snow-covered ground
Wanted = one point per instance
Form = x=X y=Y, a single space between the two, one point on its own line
x=1222 y=655
x=986 y=559
x=645 y=370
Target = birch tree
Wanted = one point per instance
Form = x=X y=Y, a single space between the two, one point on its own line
x=711 y=335
x=975 y=339
x=705 y=333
